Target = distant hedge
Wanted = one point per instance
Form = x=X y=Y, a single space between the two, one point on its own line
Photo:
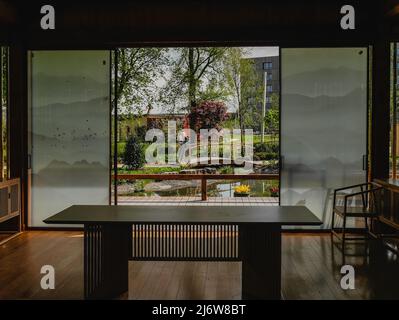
x=265 y=156
x=266 y=147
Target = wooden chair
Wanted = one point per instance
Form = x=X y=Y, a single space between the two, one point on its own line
x=369 y=208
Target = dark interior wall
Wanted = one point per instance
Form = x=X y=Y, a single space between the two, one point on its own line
x=387 y=30
x=8 y=20
x=380 y=119
x=18 y=117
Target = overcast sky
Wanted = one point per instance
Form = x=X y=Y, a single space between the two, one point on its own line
x=257 y=52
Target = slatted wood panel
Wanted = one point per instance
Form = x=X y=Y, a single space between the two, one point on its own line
x=14 y=198
x=4 y=203
x=93 y=247
x=106 y=255
x=182 y=242
x=9 y=199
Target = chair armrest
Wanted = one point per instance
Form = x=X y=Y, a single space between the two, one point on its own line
x=353 y=186
x=360 y=185
x=358 y=194
x=362 y=192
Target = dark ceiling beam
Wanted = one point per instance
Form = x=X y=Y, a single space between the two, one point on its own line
x=8 y=13
x=8 y=20
x=128 y=22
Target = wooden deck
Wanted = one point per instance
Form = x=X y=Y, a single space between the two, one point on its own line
x=311 y=270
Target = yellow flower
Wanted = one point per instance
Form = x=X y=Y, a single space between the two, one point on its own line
x=242 y=189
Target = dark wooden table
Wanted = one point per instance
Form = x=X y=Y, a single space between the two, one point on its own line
x=113 y=235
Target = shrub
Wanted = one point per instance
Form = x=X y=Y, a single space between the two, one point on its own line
x=266 y=147
x=226 y=170
x=260 y=147
x=274 y=147
x=207 y=115
x=274 y=191
x=150 y=170
x=133 y=156
x=140 y=133
x=266 y=156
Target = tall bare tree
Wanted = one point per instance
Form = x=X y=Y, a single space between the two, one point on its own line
x=139 y=71
x=245 y=86
x=196 y=75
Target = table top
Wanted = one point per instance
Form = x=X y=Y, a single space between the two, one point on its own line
x=283 y=215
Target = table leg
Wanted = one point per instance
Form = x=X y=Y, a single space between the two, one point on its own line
x=106 y=258
x=260 y=251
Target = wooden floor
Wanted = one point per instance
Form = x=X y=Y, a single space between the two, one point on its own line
x=311 y=270
x=4 y=236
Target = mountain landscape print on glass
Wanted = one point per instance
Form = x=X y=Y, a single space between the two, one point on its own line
x=70 y=130
x=323 y=124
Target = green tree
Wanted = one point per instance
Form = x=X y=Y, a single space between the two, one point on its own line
x=272 y=117
x=245 y=86
x=196 y=75
x=139 y=69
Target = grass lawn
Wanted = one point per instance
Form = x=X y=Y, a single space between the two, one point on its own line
x=149 y=170
x=121 y=148
x=268 y=138
x=256 y=139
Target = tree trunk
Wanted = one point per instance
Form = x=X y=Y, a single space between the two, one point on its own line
x=191 y=79
x=241 y=124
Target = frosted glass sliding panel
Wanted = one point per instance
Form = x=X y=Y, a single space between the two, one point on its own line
x=323 y=124
x=70 y=123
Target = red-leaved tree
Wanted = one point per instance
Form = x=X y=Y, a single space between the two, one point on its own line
x=207 y=115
